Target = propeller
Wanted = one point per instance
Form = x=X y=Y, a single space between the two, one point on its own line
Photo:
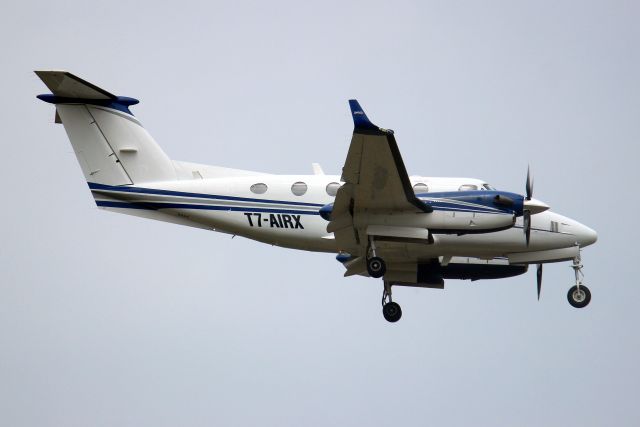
x=526 y=214
x=529 y=185
x=539 y=279
x=526 y=224
x=530 y=206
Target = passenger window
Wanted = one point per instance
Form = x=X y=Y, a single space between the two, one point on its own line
x=420 y=187
x=468 y=187
x=259 y=188
x=299 y=188
x=332 y=189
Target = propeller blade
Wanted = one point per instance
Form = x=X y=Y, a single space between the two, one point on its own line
x=529 y=186
x=526 y=225
x=539 y=279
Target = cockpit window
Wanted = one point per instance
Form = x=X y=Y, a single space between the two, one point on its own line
x=468 y=187
x=487 y=187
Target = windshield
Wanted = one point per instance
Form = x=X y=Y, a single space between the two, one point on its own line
x=468 y=187
x=487 y=187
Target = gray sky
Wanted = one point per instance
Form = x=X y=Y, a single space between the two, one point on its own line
x=110 y=320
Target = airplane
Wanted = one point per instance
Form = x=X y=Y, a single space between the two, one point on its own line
x=379 y=221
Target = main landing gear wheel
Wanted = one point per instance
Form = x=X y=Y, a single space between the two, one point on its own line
x=579 y=296
x=390 y=310
x=376 y=267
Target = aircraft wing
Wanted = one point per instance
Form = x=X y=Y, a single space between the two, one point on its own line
x=376 y=182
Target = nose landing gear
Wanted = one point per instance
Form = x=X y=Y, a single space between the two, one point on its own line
x=579 y=295
x=390 y=310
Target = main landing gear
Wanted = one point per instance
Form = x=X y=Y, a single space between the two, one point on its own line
x=579 y=295
x=376 y=268
x=375 y=265
x=390 y=310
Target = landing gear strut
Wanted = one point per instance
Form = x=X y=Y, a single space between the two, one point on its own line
x=579 y=295
x=390 y=310
x=376 y=266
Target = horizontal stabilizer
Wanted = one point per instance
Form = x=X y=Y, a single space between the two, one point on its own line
x=66 y=85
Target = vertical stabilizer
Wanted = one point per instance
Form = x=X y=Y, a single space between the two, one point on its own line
x=111 y=145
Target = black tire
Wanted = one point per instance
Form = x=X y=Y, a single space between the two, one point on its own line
x=579 y=298
x=376 y=267
x=392 y=312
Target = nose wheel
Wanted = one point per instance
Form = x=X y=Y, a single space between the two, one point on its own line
x=390 y=310
x=579 y=295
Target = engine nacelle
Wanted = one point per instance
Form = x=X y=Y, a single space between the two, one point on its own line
x=442 y=222
x=325 y=212
x=453 y=213
x=452 y=222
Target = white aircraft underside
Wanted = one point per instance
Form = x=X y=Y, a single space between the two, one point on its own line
x=412 y=231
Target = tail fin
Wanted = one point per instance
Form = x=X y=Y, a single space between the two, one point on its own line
x=111 y=145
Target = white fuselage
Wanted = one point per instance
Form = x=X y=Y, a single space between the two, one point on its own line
x=279 y=217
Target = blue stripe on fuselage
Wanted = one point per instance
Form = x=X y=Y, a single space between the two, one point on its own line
x=468 y=201
x=141 y=190
x=163 y=205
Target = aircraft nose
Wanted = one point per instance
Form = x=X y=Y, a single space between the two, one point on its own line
x=586 y=236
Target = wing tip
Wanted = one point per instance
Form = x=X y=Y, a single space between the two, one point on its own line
x=360 y=119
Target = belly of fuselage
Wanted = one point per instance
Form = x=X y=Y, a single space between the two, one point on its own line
x=308 y=232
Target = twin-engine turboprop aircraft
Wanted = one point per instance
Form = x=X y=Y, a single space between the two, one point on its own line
x=382 y=223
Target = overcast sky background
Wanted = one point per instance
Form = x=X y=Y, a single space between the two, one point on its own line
x=107 y=319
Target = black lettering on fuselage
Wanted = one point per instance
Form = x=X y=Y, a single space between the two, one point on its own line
x=248 y=215
x=287 y=221
x=274 y=220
